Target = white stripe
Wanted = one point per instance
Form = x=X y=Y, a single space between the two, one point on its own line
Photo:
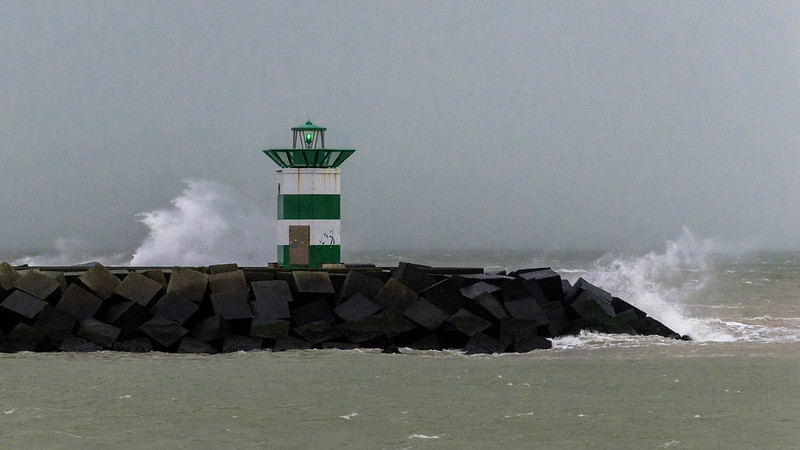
x=308 y=181
x=323 y=232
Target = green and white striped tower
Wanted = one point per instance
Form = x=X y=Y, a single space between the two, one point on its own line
x=309 y=200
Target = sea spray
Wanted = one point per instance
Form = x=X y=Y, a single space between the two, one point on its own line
x=206 y=225
x=660 y=283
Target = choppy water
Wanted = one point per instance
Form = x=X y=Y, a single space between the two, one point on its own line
x=736 y=386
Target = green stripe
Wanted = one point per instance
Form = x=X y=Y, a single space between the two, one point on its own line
x=317 y=255
x=309 y=206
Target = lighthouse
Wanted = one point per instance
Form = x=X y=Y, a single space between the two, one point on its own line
x=309 y=200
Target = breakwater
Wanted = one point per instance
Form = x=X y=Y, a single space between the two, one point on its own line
x=225 y=308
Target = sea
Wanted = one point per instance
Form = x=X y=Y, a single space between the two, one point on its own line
x=735 y=385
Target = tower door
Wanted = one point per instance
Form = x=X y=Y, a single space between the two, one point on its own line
x=299 y=237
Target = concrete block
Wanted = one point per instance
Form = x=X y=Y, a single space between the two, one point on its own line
x=473 y=290
x=396 y=325
x=364 y=330
x=98 y=332
x=190 y=345
x=8 y=277
x=139 y=289
x=482 y=343
x=163 y=331
x=174 y=307
x=156 y=275
x=38 y=285
x=285 y=343
x=240 y=343
x=395 y=296
x=269 y=328
x=426 y=314
x=189 y=284
x=232 y=305
x=413 y=276
x=137 y=345
x=100 y=281
x=526 y=309
x=24 y=305
x=56 y=324
x=446 y=294
x=592 y=308
x=467 y=323
x=558 y=319
x=427 y=342
x=548 y=281
x=79 y=303
x=491 y=278
x=487 y=306
x=527 y=344
x=211 y=329
x=270 y=308
x=359 y=283
x=128 y=316
x=316 y=332
x=254 y=275
x=515 y=330
x=59 y=278
x=356 y=307
x=275 y=292
x=215 y=269
x=25 y=338
x=76 y=344
x=228 y=282
x=316 y=311
x=312 y=282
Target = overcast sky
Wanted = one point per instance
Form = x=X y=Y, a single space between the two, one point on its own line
x=541 y=125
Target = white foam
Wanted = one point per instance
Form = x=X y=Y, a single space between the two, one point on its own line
x=422 y=436
x=206 y=225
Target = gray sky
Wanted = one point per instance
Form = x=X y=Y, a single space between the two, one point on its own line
x=542 y=125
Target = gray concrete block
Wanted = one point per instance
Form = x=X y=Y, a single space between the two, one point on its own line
x=548 y=281
x=232 y=305
x=228 y=282
x=174 y=307
x=25 y=338
x=467 y=323
x=100 y=281
x=482 y=343
x=426 y=314
x=98 y=332
x=359 y=283
x=79 y=303
x=24 y=305
x=285 y=343
x=395 y=296
x=8 y=276
x=473 y=290
x=269 y=328
x=363 y=330
x=78 y=345
x=427 y=342
x=222 y=268
x=211 y=329
x=128 y=316
x=270 y=309
x=312 y=282
x=356 y=307
x=38 y=285
x=413 y=276
x=316 y=311
x=56 y=324
x=139 y=289
x=136 y=345
x=526 y=309
x=59 y=278
x=316 y=332
x=445 y=294
x=156 y=275
x=190 y=345
x=239 y=343
x=189 y=284
x=163 y=332
x=272 y=290
x=487 y=306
